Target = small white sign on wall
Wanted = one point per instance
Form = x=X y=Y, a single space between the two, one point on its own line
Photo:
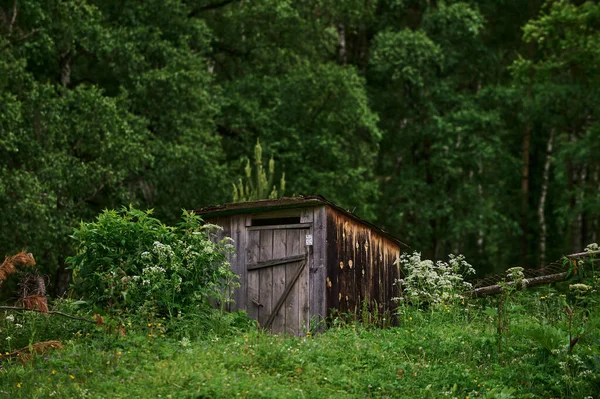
x=309 y=240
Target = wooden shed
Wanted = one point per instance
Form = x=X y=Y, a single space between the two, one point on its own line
x=299 y=258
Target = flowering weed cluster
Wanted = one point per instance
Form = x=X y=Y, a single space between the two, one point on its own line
x=127 y=260
x=429 y=283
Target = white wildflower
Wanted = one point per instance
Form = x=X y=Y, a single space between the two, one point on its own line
x=515 y=273
x=153 y=269
x=580 y=287
x=592 y=247
x=212 y=227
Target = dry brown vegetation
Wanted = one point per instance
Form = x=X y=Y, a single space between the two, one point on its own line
x=39 y=348
x=12 y=263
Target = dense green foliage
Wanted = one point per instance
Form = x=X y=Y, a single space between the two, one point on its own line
x=459 y=126
x=129 y=262
x=450 y=352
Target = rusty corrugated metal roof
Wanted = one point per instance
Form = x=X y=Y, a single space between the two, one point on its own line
x=301 y=201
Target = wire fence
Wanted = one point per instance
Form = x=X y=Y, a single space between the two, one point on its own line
x=559 y=266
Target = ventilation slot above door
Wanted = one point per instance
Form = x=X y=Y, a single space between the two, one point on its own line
x=276 y=221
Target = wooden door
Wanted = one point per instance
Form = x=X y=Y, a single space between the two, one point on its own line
x=277 y=277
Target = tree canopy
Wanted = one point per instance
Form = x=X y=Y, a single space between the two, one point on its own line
x=459 y=126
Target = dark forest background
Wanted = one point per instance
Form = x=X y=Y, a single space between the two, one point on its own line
x=459 y=126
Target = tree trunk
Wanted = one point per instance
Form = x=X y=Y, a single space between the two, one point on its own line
x=584 y=176
x=65 y=68
x=531 y=282
x=429 y=181
x=541 y=208
x=342 y=54
x=480 y=231
x=593 y=235
x=526 y=147
x=575 y=174
x=62 y=279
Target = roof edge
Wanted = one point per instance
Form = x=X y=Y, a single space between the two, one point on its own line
x=301 y=201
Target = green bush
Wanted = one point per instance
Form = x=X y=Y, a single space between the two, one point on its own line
x=129 y=261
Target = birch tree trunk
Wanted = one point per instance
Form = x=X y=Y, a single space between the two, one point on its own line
x=544 y=192
x=576 y=173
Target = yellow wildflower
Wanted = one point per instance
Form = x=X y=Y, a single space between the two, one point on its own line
x=71 y=376
x=19 y=385
x=53 y=372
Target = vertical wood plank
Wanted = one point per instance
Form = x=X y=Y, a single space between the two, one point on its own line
x=266 y=276
x=342 y=250
x=253 y=280
x=356 y=258
x=279 y=281
x=361 y=268
x=380 y=276
x=318 y=272
x=331 y=264
x=292 y=311
x=237 y=261
x=304 y=289
x=359 y=262
x=375 y=262
x=397 y=276
x=304 y=293
x=306 y=215
x=368 y=267
x=393 y=275
x=242 y=254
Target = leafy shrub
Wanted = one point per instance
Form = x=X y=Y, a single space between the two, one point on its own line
x=129 y=260
x=429 y=283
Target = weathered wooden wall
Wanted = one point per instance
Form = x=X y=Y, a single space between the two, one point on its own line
x=347 y=264
x=306 y=300
x=360 y=265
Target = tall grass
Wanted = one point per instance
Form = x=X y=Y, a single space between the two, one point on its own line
x=450 y=352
